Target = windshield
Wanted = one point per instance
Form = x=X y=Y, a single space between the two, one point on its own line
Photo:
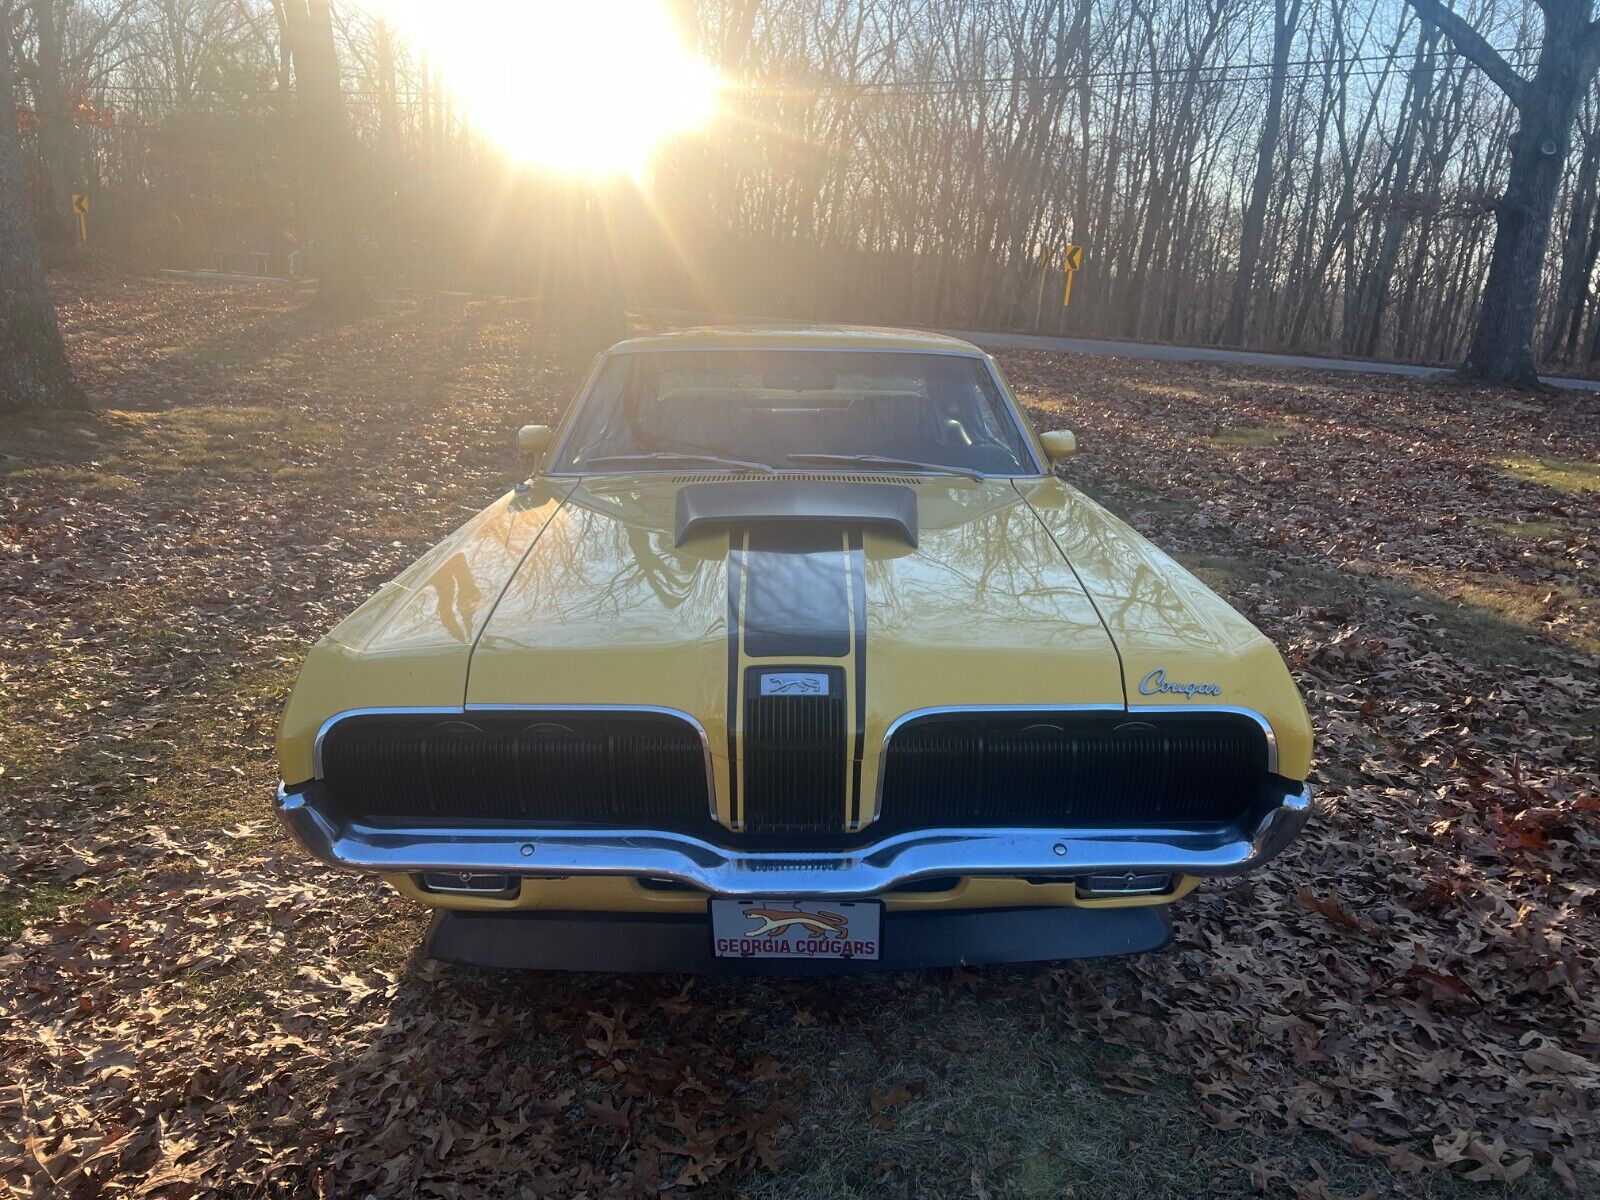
x=795 y=409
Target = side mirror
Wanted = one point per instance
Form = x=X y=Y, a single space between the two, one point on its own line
x=1063 y=443
x=533 y=440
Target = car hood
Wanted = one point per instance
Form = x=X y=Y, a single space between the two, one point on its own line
x=607 y=608
x=570 y=593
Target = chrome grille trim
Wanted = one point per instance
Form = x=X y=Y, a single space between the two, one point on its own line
x=1058 y=854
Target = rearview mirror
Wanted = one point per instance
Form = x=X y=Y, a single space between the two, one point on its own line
x=533 y=440
x=1063 y=443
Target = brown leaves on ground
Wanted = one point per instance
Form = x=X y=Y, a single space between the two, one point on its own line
x=1329 y=907
x=191 y=1006
x=1386 y=979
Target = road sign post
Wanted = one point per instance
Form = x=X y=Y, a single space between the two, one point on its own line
x=1070 y=262
x=80 y=206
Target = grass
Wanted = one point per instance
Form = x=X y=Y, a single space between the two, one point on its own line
x=1148 y=506
x=1535 y=531
x=1248 y=437
x=1569 y=475
x=1584 y=721
x=1485 y=623
x=20 y=905
x=1487 y=619
x=188 y=779
x=1561 y=611
x=103 y=453
x=1038 y=1115
x=32 y=439
x=231 y=990
x=230 y=439
x=196 y=788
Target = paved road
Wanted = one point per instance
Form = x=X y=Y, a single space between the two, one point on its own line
x=1247 y=358
x=1031 y=341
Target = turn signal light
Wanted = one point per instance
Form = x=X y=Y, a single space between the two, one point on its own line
x=468 y=883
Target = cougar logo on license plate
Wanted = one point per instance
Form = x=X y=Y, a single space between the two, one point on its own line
x=796 y=928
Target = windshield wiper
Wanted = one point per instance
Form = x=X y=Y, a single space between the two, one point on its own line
x=879 y=460
x=678 y=458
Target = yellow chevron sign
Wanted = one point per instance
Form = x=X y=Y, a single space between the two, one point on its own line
x=1070 y=262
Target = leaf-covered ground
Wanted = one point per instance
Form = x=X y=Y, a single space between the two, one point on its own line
x=1405 y=1004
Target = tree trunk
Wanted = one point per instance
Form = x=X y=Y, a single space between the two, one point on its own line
x=33 y=363
x=1577 y=252
x=55 y=130
x=605 y=310
x=581 y=290
x=1502 y=344
x=1286 y=15
x=329 y=169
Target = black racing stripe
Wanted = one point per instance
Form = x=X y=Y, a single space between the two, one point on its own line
x=735 y=563
x=797 y=603
x=858 y=600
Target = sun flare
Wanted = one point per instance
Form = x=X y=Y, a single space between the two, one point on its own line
x=588 y=87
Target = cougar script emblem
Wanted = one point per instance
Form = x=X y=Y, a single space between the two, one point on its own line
x=776 y=920
x=1157 y=684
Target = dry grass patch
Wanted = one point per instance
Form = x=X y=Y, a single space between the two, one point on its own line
x=1534 y=531
x=1496 y=614
x=1568 y=475
x=121 y=449
x=212 y=438
x=1248 y=437
x=1168 y=391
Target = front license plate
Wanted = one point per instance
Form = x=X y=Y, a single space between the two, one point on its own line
x=796 y=928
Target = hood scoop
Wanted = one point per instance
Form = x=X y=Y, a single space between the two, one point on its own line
x=888 y=507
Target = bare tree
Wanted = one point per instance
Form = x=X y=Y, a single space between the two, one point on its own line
x=1546 y=106
x=33 y=363
x=329 y=165
x=55 y=124
x=1285 y=17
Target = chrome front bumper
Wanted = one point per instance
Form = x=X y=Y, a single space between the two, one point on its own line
x=867 y=870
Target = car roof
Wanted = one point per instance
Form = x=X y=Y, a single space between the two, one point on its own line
x=798 y=337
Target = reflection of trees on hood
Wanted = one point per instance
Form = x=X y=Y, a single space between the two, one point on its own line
x=669 y=575
x=458 y=596
x=598 y=561
x=1128 y=588
x=978 y=549
x=669 y=581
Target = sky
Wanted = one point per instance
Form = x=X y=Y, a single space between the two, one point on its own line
x=590 y=87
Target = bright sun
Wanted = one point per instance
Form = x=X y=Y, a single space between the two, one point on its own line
x=586 y=86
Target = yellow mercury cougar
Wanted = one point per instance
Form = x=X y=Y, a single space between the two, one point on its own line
x=794 y=655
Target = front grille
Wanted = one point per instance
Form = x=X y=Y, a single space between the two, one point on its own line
x=607 y=769
x=795 y=757
x=1046 y=768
